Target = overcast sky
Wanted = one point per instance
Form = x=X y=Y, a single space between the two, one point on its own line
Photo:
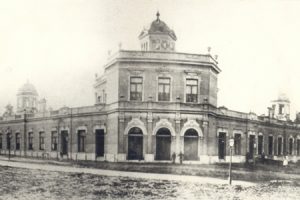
x=59 y=45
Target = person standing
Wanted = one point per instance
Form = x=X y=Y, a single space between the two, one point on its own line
x=173 y=157
x=181 y=157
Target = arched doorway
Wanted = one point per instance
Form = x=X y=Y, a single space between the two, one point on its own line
x=163 y=144
x=191 y=145
x=135 y=144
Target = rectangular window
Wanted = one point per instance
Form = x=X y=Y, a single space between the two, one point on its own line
x=164 y=89
x=281 y=106
x=99 y=142
x=279 y=149
x=298 y=147
x=291 y=146
x=237 y=144
x=136 y=85
x=81 y=141
x=270 y=145
x=30 y=141
x=54 y=141
x=8 y=140
x=42 y=140
x=260 y=144
x=1 y=141
x=18 y=141
x=191 y=90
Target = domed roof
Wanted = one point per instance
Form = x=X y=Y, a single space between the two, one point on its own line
x=27 y=89
x=158 y=26
x=283 y=97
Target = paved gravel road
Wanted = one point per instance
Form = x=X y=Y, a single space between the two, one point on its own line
x=170 y=177
x=24 y=181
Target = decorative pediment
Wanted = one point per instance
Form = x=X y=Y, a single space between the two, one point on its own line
x=136 y=72
x=192 y=73
x=222 y=130
x=99 y=126
x=237 y=132
x=163 y=70
x=191 y=124
x=42 y=129
x=164 y=123
x=252 y=116
x=150 y=117
x=79 y=128
x=64 y=110
x=135 y=122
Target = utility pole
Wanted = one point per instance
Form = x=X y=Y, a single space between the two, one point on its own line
x=71 y=133
x=231 y=144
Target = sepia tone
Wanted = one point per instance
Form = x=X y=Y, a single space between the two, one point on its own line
x=155 y=110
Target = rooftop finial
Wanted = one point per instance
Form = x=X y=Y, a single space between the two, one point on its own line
x=157 y=15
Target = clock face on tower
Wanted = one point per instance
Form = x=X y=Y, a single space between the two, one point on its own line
x=164 y=44
x=172 y=46
x=157 y=46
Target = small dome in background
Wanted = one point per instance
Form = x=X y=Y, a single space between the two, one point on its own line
x=283 y=97
x=27 y=89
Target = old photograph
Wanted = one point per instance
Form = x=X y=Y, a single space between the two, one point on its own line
x=149 y=99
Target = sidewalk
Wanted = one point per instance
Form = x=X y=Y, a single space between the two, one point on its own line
x=65 y=168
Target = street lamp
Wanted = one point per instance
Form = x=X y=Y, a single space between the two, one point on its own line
x=231 y=143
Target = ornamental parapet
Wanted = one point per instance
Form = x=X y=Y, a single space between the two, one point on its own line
x=64 y=111
x=125 y=55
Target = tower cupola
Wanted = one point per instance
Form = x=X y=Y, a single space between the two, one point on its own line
x=27 y=98
x=158 y=37
x=281 y=107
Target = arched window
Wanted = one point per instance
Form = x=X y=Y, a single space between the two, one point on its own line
x=191 y=145
x=279 y=146
x=163 y=144
x=270 y=145
x=291 y=141
x=81 y=140
x=42 y=140
x=8 y=141
x=1 y=141
x=135 y=144
x=18 y=138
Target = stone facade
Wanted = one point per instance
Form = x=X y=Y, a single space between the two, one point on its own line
x=150 y=104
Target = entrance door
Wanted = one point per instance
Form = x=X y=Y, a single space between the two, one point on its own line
x=135 y=144
x=99 y=142
x=191 y=145
x=251 y=146
x=8 y=142
x=279 y=149
x=222 y=145
x=270 y=145
x=260 y=144
x=163 y=144
x=64 y=142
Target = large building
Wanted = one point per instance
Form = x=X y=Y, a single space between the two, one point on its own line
x=149 y=104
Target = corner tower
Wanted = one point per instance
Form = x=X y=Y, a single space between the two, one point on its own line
x=281 y=107
x=27 y=98
x=159 y=37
